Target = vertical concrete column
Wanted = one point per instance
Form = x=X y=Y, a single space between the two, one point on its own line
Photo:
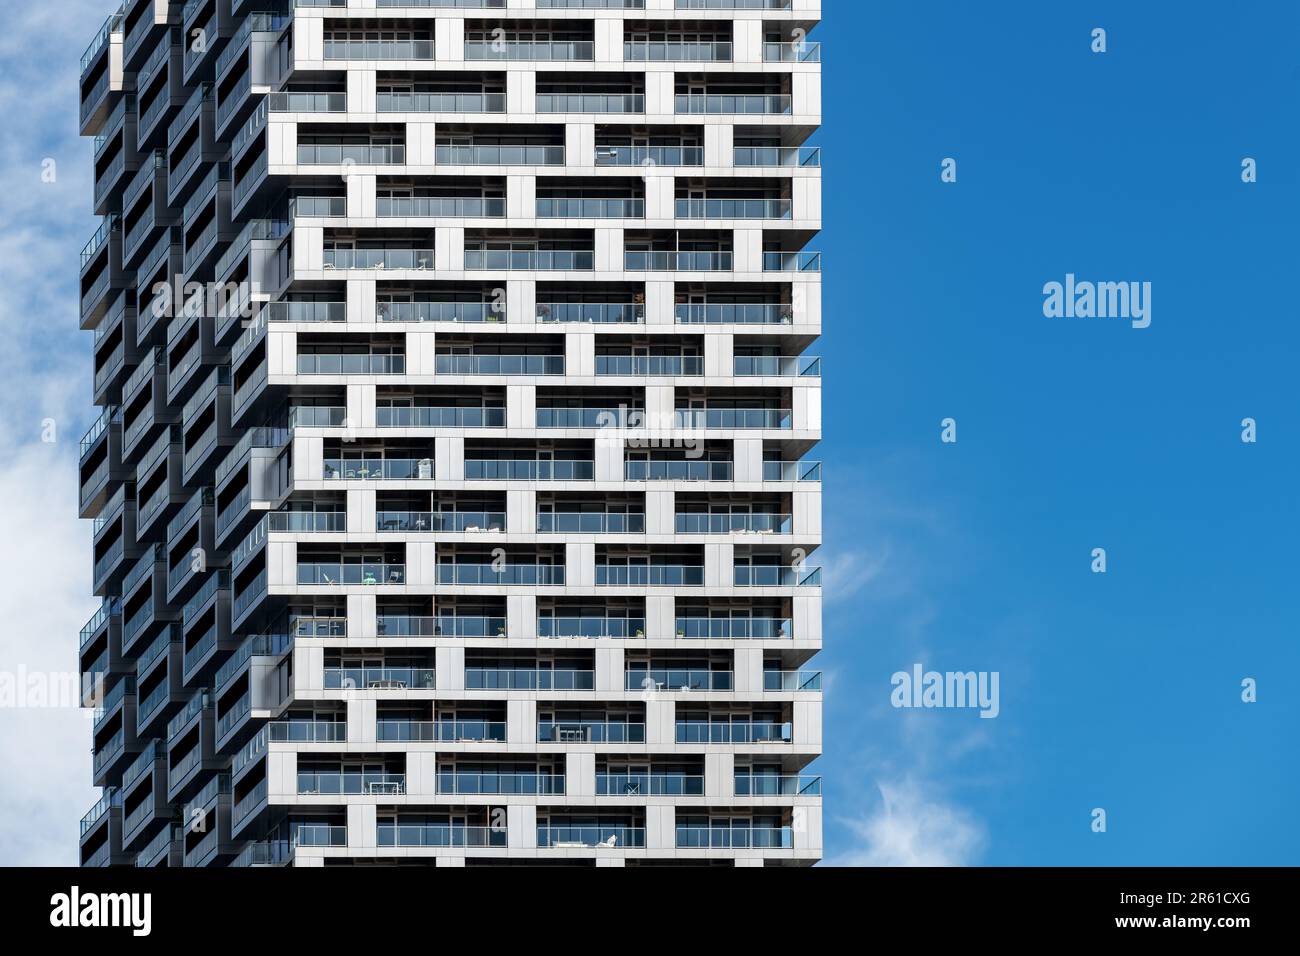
x=449 y=667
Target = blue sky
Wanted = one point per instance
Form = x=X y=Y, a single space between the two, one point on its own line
x=1122 y=690
x=1118 y=691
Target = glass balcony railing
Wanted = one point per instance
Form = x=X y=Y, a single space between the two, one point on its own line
x=577 y=208
x=449 y=206
x=527 y=469
x=749 y=522
x=417 y=259
x=589 y=731
x=535 y=260
x=308 y=102
x=337 y=574
x=494 y=155
x=318 y=207
x=429 y=416
x=734 y=418
x=678 y=679
x=649 y=575
x=351 y=783
x=457 y=522
x=725 y=837
x=443 y=625
x=590 y=103
x=784 y=366
x=677 y=51
x=642 y=261
x=792 y=471
x=378 y=469
x=540 y=50
x=590 y=522
x=792 y=262
x=318 y=834
x=734 y=209
x=649 y=365
x=590 y=417
x=379 y=49
x=306 y=311
x=792 y=51
x=350 y=364
x=600 y=313
x=777 y=785
x=649 y=785
x=309 y=731
x=379 y=678
x=393 y=102
x=589 y=627
x=438 y=834
x=761 y=575
x=317 y=416
x=440 y=731
x=461 y=572
x=792 y=680
x=516 y=678
x=492 y=364
x=589 y=837
x=685 y=470
x=505 y=784
x=734 y=628
x=649 y=156
x=778 y=156
x=441 y=312
x=749 y=104
x=733 y=732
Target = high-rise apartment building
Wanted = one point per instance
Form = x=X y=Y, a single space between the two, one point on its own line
x=451 y=492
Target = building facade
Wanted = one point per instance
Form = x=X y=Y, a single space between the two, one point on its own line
x=451 y=488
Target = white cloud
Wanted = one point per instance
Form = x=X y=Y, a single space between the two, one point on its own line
x=45 y=563
x=911 y=827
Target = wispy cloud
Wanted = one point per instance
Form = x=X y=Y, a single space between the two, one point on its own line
x=911 y=826
x=44 y=567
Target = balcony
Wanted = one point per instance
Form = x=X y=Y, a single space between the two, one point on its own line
x=590 y=837
x=598 y=313
x=567 y=627
x=758 y=576
x=308 y=731
x=454 y=783
x=671 y=261
x=397 y=49
x=792 y=51
x=417 y=102
x=439 y=416
x=456 y=522
x=792 y=471
x=729 y=837
x=590 y=731
x=734 y=313
x=494 y=364
x=577 y=208
x=735 y=731
x=734 y=628
x=792 y=681
x=734 y=209
x=487 y=48
x=590 y=522
x=335 y=574
x=777 y=785
x=351 y=783
x=495 y=155
x=440 y=731
x=649 y=155
x=360 y=154
x=528 y=469
x=677 y=470
x=783 y=157
x=354 y=363
x=450 y=311
x=678 y=679
x=649 y=785
x=424 y=207
x=792 y=262
x=677 y=51
x=379 y=678
x=590 y=103
x=768 y=104
x=293 y=102
x=378 y=469
x=439 y=834
x=418 y=260
x=445 y=625
x=777 y=366
x=530 y=260
x=649 y=575
x=739 y=522
x=518 y=678
x=734 y=418
x=512 y=575
x=649 y=365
